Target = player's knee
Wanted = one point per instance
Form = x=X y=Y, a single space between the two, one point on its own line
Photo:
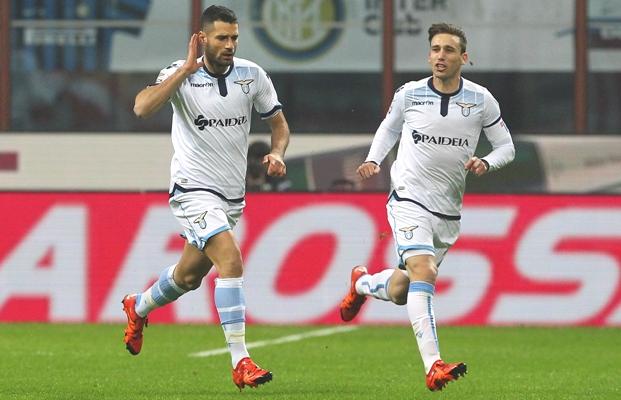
x=398 y=289
x=400 y=299
x=423 y=268
x=190 y=281
x=231 y=269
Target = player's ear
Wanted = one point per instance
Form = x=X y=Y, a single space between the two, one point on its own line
x=202 y=36
x=464 y=58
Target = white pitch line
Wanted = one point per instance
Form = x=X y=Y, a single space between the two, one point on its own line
x=283 y=339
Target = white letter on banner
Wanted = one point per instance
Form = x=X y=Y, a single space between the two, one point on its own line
x=615 y=317
x=354 y=231
x=469 y=272
x=146 y=260
x=61 y=231
x=597 y=274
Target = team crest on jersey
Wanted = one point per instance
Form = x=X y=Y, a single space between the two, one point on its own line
x=245 y=84
x=408 y=231
x=465 y=108
x=200 y=221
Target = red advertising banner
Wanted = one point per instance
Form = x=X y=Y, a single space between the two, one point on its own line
x=551 y=260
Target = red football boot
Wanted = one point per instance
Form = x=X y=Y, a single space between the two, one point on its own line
x=350 y=306
x=135 y=324
x=248 y=373
x=442 y=373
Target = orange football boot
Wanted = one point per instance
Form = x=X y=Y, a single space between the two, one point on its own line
x=248 y=373
x=135 y=324
x=350 y=306
x=442 y=373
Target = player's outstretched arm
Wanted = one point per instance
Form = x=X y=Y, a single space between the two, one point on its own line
x=149 y=100
x=368 y=169
x=274 y=161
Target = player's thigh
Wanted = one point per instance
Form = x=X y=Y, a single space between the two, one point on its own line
x=192 y=266
x=204 y=215
x=223 y=251
x=412 y=229
x=422 y=267
x=446 y=233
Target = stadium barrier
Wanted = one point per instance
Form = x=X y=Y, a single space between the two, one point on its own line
x=315 y=162
x=521 y=259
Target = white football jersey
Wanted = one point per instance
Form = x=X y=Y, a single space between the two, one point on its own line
x=211 y=123
x=439 y=133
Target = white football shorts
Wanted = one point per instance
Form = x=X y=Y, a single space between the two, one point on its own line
x=417 y=231
x=203 y=215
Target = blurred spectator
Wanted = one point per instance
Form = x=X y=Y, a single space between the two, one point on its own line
x=257 y=179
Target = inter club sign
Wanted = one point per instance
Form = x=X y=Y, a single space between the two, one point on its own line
x=552 y=260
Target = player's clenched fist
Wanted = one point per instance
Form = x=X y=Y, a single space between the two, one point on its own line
x=476 y=165
x=368 y=169
x=275 y=165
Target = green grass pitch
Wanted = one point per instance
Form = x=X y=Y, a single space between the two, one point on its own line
x=73 y=361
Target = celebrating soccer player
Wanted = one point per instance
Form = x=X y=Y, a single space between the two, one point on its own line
x=437 y=121
x=212 y=96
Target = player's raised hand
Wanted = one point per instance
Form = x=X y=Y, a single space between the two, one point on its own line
x=368 y=169
x=191 y=65
x=274 y=164
x=476 y=166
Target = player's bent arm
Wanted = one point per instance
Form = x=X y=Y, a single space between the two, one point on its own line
x=280 y=133
x=274 y=161
x=150 y=99
x=503 y=150
x=383 y=141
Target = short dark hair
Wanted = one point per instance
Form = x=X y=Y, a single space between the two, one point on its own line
x=218 y=13
x=443 y=27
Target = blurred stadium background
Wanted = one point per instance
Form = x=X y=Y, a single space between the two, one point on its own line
x=83 y=203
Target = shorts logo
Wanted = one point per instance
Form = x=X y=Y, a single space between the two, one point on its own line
x=465 y=108
x=408 y=231
x=200 y=221
x=245 y=85
x=298 y=29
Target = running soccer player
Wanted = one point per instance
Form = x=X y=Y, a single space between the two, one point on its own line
x=437 y=121
x=212 y=98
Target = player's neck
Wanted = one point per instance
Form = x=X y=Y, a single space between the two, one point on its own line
x=215 y=69
x=447 y=86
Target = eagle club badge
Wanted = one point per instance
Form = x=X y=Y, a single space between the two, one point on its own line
x=200 y=221
x=465 y=108
x=408 y=231
x=245 y=84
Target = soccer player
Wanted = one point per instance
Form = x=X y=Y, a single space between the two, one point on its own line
x=212 y=98
x=437 y=121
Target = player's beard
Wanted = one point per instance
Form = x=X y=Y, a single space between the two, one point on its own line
x=216 y=61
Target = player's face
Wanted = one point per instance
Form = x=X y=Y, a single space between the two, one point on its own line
x=220 y=43
x=445 y=56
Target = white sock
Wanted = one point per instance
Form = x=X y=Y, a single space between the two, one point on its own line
x=375 y=285
x=162 y=292
x=420 y=311
x=229 y=299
